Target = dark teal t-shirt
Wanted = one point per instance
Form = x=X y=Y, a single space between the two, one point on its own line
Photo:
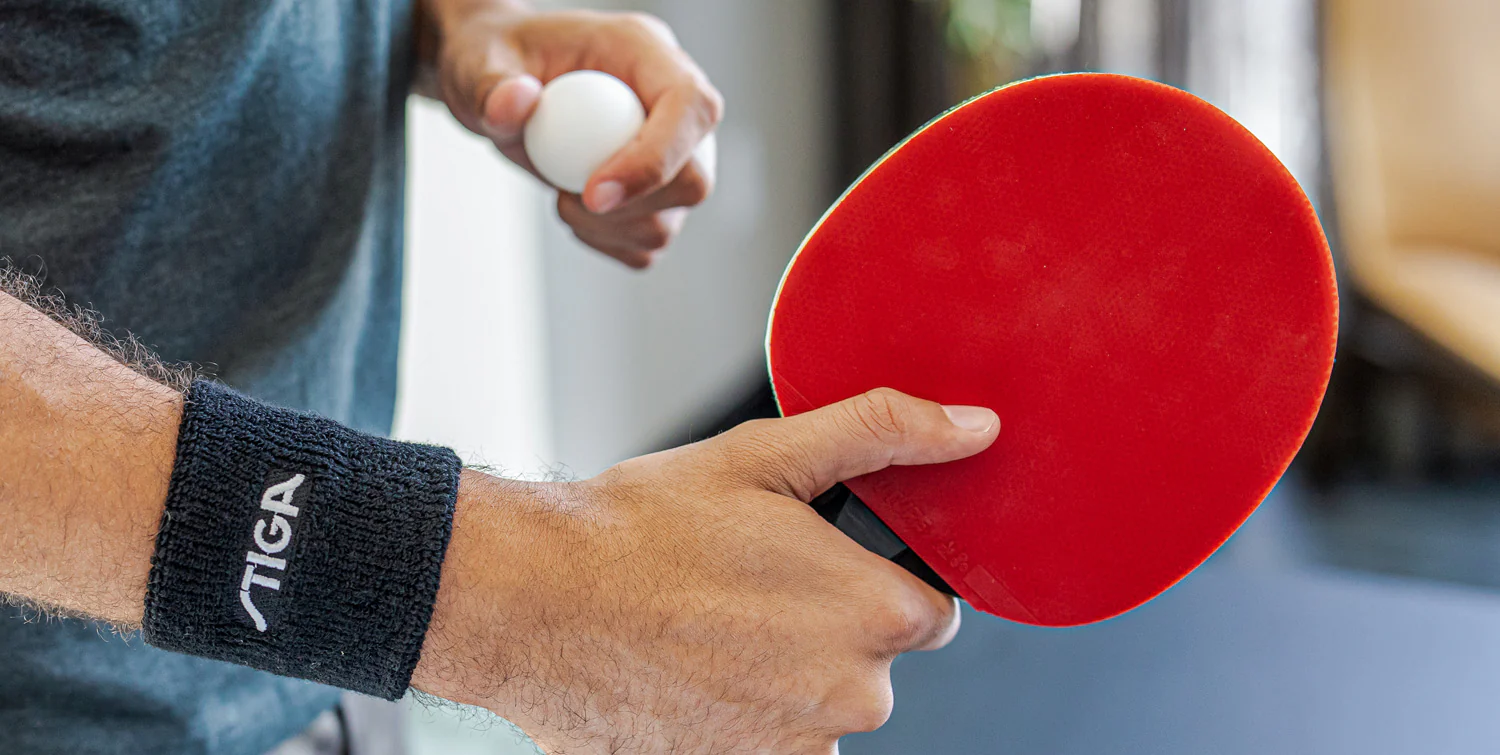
x=223 y=178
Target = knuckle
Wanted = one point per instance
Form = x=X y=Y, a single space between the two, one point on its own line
x=753 y=428
x=749 y=444
x=695 y=186
x=652 y=174
x=881 y=414
x=866 y=706
x=656 y=234
x=756 y=451
x=873 y=717
x=710 y=102
x=945 y=627
x=758 y=444
x=703 y=100
x=896 y=627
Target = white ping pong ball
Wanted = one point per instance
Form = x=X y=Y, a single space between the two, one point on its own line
x=581 y=120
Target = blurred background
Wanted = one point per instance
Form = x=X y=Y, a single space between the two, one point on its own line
x=1355 y=613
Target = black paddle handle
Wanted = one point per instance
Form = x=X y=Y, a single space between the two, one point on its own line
x=843 y=509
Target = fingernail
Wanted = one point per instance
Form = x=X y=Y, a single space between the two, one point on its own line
x=975 y=419
x=607 y=196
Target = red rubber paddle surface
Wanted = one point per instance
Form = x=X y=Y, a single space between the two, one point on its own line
x=1122 y=272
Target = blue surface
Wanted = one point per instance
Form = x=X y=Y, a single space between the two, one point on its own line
x=1230 y=661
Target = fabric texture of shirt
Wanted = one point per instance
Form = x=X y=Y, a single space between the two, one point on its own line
x=223 y=178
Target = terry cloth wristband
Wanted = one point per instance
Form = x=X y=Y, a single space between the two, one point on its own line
x=297 y=546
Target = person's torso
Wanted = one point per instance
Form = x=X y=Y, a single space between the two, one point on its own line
x=224 y=180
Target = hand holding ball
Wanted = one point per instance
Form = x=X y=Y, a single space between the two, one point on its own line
x=581 y=120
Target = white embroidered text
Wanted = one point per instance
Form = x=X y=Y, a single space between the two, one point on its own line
x=271 y=537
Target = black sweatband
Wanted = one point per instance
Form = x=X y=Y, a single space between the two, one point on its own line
x=297 y=546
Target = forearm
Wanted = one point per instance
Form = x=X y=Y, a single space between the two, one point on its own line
x=223 y=526
x=86 y=450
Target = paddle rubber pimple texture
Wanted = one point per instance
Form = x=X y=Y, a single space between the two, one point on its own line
x=1121 y=271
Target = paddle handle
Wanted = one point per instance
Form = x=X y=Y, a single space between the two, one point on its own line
x=843 y=509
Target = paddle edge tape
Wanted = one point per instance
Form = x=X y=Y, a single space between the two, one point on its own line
x=984 y=585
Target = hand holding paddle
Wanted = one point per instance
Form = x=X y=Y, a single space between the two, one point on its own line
x=691 y=600
x=1129 y=278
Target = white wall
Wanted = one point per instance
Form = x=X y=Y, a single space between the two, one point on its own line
x=634 y=358
x=473 y=340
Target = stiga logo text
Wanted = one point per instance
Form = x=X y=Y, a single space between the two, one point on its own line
x=273 y=533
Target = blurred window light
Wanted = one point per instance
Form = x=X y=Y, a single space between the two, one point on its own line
x=977 y=28
x=1257 y=61
x=988 y=44
x=1054 y=25
x=1127 y=37
x=473 y=340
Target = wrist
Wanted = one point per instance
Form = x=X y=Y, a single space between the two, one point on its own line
x=297 y=546
x=504 y=544
x=153 y=446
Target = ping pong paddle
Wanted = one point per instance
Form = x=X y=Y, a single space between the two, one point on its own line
x=1129 y=278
